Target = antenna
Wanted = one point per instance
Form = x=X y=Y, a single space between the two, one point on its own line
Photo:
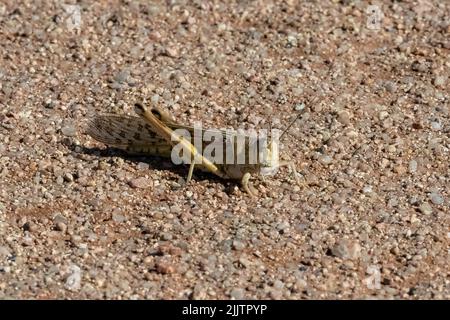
x=296 y=118
x=292 y=123
x=287 y=128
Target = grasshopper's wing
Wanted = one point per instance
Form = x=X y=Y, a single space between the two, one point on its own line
x=128 y=133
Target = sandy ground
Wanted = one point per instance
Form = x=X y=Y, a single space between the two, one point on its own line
x=80 y=220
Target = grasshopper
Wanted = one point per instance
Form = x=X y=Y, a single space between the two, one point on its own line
x=154 y=132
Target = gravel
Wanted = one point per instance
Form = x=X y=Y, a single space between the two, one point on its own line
x=73 y=281
x=369 y=221
x=237 y=293
x=141 y=183
x=346 y=249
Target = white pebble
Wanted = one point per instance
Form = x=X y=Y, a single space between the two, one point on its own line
x=412 y=166
x=436 y=198
x=73 y=281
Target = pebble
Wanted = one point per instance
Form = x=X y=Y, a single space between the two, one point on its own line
x=69 y=130
x=412 y=166
x=61 y=226
x=75 y=240
x=436 y=198
x=282 y=226
x=59 y=218
x=140 y=183
x=400 y=169
x=245 y=262
x=166 y=236
x=116 y=85
x=300 y=285
x=68 y=177
x=383 y=115
x=73 y=281
x=390 y=86
x=49 y=103
x=155 y=99
x=175 y=209
x=171 y=51
x=59 y=180
x=325 y=159
x=199 y=292
x=425 y=208
x=276 y=294
x=27 y=241
x=237 y=293
x=122 y=76
x=30 y=226
x=143 y=166
x=419 y=66
x=344 y=118
x=165 y=267
x=298 y=91
x=439 y=81
x=278 y=285
x=436 y=126
x=291 y=41
x=346 y=249
x=117 y=217
x=226 y=245
x=238 y=245
x=4 y=252
x=149 y=261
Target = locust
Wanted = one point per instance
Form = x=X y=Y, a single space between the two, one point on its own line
x=155 y=132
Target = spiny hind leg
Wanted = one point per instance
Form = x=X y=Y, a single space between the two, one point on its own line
x=248 y=187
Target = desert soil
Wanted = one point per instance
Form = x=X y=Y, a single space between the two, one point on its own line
x=371 y=219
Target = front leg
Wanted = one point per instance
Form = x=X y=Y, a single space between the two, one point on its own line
x=247 y=186
x=272 y=171
x=291 y=166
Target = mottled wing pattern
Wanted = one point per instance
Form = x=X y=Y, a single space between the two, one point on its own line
x=128 y=133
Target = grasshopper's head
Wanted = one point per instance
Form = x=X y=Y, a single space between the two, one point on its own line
x=270 y=163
